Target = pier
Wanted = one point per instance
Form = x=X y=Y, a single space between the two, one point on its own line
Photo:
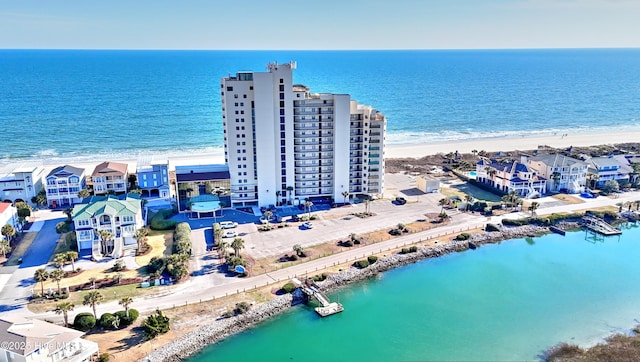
x=600 y=226
x=311 y=290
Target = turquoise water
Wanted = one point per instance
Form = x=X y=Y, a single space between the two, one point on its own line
x=169 y=101
x=508 y=301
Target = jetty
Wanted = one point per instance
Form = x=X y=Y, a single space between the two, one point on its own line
x=600 y=226
x=312 y=291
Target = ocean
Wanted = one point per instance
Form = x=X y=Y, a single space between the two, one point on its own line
x=65 y=105
x=502 y=302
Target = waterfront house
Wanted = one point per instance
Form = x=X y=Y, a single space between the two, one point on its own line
x=153 y=177
x=26 y=339
x=285 y=144
x=202 y=183
x=511 y=176
x=120 y=216
x=63 y=184
x=8 y=215
x=564 y=173
x=110 y=177
x=20 y=182
x=603 y=169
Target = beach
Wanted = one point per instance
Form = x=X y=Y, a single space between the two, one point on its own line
x=522 y=143
x=408 y=150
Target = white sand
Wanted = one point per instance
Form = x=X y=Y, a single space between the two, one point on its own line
x=511 y=144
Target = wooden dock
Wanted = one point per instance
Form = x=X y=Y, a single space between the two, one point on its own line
x=600 y=226
x=311 y=290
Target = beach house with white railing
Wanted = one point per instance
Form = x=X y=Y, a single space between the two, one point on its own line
x=511 y=176
x=564 y=173
x=62 y=185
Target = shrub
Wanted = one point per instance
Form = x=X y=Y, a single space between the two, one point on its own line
x=242 y=308
x=119 y=265
x=107 y=321
x=84 y=322
x=463 y=236
x=124 y=320
x=361 y=264
x=288 y=288
x=491 y=227
x=372 y=259
x=156 y=265
x=160 y=220
x=155 y=324
x=104 y=357
x=413 y=249
x=319 y=277
x=182 y=238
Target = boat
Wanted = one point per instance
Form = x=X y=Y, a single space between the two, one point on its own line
x=331 y=308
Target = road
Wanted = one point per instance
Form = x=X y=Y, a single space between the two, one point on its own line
x=206 y=283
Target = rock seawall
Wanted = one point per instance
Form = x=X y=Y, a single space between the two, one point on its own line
x=191 y=343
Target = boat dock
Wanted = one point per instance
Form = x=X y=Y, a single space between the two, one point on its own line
x=311 y=290
x=600 y=226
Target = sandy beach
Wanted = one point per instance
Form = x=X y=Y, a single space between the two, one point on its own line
x=510 y=144
x=409 y=150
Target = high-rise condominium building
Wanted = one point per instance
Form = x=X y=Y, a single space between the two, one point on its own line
x=285 y=144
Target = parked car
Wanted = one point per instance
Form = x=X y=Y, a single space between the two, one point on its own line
x=294 y=218
x=401 y=200
x=228 y=224
x=229 y=234
x=307 y=225
x=263 y=220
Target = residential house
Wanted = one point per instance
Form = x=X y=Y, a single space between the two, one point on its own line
x=34 y=340
x=603 y=169
x=63 y=184
x=202 y=183
x=20 y=182
x=564 y=173
x=153 y=177
x=631 y=162
x=511 y=176
x=8 y=215
x=120 y=216
x=110 y=177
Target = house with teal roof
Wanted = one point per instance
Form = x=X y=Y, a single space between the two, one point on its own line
x=106 y=225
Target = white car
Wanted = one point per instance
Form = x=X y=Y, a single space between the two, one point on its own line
x=228 y=224
x=229 y=234
x=307 y=225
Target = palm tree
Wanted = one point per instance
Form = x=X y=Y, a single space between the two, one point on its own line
x=83 y=194
x=64 y=308
x=57 y=275
x=5 y=248
x=141 y=237
x=222 y=249
x=367 y=203
x=8 y=231
x=41 y=275
x=93 y=298
x=41 y=198
x=217 y=233
x=236 y=245
x=267 y=215
x=125 y=302
x=106 y=237
x=308 y=204
x=72 y=256
x=533 y=207
x=60 y=260
x=290 y=193
x=345 y=194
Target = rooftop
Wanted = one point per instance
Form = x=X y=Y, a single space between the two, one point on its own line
x=109 y=167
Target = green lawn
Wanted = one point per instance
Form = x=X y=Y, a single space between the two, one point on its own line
x=477 y=193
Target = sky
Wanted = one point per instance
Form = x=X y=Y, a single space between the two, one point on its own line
x=319 y=24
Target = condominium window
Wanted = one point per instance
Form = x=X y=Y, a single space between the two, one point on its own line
x=244 y=96
x=282 y=112
x=235 y=96
x=281 y=80
x=236 y=104
x=229 y=89
x=237 y=143
x=242 y=104
x=281 y=103
x=281 y=87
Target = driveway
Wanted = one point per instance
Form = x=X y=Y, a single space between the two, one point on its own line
x=20 y=284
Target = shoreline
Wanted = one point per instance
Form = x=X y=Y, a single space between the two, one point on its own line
x=414 y=149
x=195 y=341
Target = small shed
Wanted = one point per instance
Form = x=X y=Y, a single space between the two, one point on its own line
x=427 y=184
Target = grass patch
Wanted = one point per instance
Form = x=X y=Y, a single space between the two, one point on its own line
x=568 y=199
x=62 y=246
x=161 y=244
x=19 y=250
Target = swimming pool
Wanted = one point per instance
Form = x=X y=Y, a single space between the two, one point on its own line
x=472 y=173
x=205 y=206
